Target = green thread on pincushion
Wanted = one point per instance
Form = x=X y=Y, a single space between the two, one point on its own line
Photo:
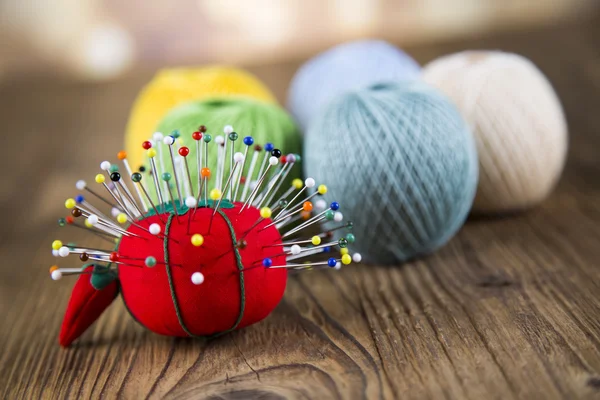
x=240 y=267
x=182 y=208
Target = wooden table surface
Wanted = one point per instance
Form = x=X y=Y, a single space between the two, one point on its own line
x=510 y=308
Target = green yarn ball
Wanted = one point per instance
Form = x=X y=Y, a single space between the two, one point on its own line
x=248 y=117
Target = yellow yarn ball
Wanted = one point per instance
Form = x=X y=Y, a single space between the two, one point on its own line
x=171 y=87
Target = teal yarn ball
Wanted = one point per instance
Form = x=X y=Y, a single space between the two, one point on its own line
x=349 y=66
x=401 y=162
x=265 y=122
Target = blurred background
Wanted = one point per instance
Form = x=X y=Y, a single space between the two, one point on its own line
x=103 y=39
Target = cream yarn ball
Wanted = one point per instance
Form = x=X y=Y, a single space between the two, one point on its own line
x=518 y=123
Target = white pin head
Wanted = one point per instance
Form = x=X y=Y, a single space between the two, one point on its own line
x=338 y=216
x=273 y=161
x=158 y=136
x=296 y=249
x=321 y=204
x=115 y=211
x=93 y=219
x=105 y=165
x=190 y=202
x=197 y=278
x=338 y=265
x=356 y=257
x=227 y=129
x=168 y=140
x=154 y=229
x=238 y=157
x=219 y=140
x=55 y=253
x=309 y=182
x=64 y=251
x=56 y=275
x=80 y=184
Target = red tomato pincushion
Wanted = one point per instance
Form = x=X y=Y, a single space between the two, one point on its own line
x=196 y=268
x=165 y=300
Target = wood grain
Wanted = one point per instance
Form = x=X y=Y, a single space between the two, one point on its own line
x=510 y=308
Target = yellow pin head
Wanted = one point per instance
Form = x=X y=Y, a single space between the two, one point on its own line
x=344 y=251
x=70 y=203
x=88 y=223
x=265 y=212
x=316 y=240
x=99 y=178
x=121 y=218
x=322 y=189
x=346 y=259
x=215 y=194
x=197 y=240
x=297 y=183
x=57 y=244
x=151 y=152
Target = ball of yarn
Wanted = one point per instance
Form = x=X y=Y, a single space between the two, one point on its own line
x=408 y=167
x=248 y=117
x=171 y=87
x=517 y=120
x=349 y=66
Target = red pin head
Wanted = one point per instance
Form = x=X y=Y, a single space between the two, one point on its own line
x=184 y=151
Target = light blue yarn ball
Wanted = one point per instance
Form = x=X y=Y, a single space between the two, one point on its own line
x=349 y=66
x=401 y=162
